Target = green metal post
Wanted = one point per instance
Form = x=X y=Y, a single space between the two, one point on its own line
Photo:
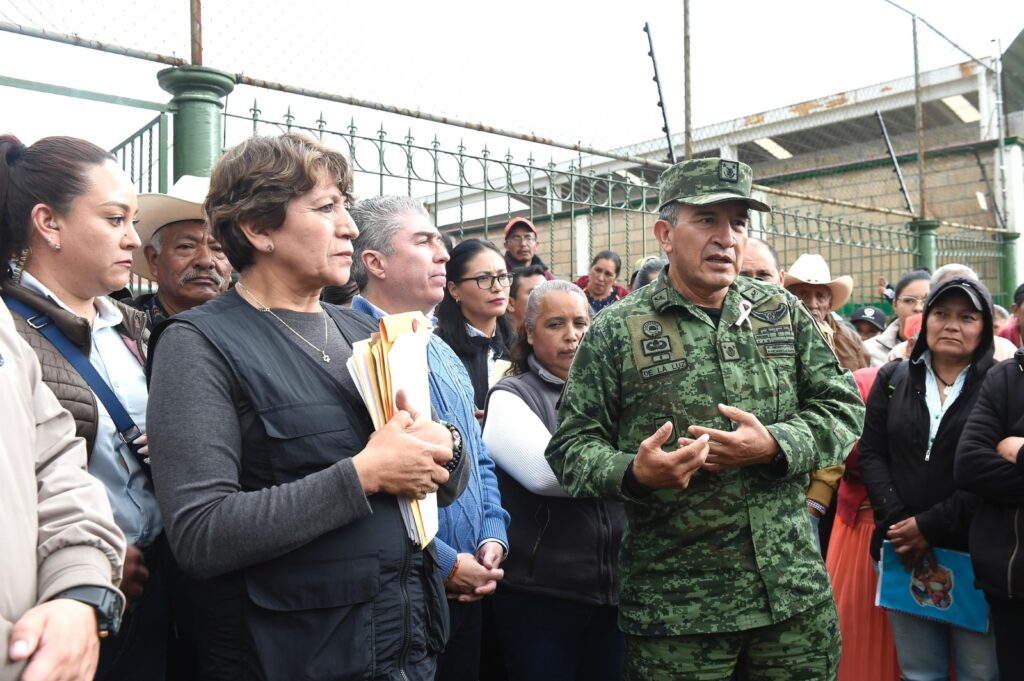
x=924 y=234
x=196 y=103
x=163 y=144
x=1008 y=270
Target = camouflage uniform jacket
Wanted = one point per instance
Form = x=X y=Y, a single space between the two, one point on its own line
x=734 y=551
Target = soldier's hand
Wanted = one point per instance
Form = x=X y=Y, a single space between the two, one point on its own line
x=656 y=468
x=749 y=444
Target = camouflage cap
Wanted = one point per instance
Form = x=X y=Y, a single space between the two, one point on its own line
x=703 y=181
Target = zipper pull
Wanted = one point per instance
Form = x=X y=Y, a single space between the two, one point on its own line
x=928 y=454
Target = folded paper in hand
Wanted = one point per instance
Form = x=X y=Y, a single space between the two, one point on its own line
x=392 y=360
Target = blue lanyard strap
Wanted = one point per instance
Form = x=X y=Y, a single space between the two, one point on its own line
x=123 y=422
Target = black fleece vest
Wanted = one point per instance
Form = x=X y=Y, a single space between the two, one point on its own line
x=561 y=548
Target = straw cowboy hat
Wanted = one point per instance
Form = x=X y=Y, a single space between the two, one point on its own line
x=183 y=202
x=811 y=268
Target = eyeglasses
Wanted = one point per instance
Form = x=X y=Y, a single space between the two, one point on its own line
x=911 y=300
x=522 y=239
x=487 y=281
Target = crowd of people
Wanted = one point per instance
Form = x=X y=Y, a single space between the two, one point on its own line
x=694 y=474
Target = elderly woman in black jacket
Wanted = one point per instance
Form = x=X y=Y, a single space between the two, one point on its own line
x=989 y=464
x=915 y=414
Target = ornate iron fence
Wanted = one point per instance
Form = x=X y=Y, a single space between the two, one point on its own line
x=144 y=155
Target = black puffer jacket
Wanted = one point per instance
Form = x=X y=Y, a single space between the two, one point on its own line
x=997 y=526
x=905 y=477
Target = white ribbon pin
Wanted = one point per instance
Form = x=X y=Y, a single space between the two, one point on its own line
x=745 y=307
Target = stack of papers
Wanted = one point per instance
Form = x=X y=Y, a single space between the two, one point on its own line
x=392 y=360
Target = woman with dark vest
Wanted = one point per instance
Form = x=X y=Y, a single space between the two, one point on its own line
x=273 y=490
x=471 y=316
x=557 y=608
x=916 y=412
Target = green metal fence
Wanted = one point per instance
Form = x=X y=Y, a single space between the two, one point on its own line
x=144 y=156
x=584 y=204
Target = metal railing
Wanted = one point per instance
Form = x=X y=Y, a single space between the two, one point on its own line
x=144 y=156
x=580 y=211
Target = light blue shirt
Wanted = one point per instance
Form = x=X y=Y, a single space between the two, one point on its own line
x=936 y=407
x=111 y=462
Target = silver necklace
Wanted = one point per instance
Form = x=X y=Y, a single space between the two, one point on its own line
x=263 y=308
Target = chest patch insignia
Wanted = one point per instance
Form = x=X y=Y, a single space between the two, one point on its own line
x=729 y=351
x=771 y=316
x=657 y=346
x=773 y=331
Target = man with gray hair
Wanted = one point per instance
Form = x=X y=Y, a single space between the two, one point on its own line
x=399 y=264
x=178 y=251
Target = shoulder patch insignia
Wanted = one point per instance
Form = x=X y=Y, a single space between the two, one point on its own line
x=652 y=329
x=771 y=316
x=728 y=171
x=657 y=346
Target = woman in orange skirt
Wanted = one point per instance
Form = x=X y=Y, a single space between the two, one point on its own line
x=868 y=648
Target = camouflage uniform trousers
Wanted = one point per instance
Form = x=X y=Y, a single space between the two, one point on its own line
x=806 y=647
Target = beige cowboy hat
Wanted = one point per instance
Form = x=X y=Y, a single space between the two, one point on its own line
x=811 y=268
x=184 y=201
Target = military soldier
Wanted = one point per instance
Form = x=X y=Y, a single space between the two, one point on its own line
x=703 y=402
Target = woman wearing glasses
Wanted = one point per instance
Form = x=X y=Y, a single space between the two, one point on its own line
x=911 y=292
x=471 y=317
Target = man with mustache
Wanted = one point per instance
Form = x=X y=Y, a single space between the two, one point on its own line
x=399 y=265
x=178 y=251
x=702 y=402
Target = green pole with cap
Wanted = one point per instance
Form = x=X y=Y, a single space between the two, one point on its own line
x=196 y=104
x=924 y=232
x=1008 y=269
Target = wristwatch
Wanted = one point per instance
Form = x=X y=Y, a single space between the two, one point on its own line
x=779 y=463
x=106 y=601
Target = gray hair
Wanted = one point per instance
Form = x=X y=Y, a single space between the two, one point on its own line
x=541 y=291
x=951 y=271
x=669 y=212
x=157 y=240
x=379 y=219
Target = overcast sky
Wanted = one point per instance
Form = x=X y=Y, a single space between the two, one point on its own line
x=575 y=71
